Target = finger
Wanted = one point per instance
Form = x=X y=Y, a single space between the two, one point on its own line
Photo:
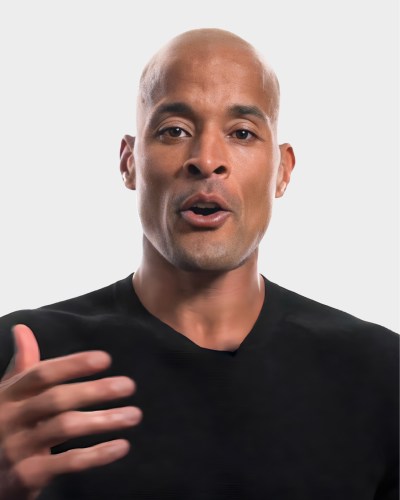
x=56 y=371
x=10 y=484
x=67 y=426
x=27 y=352
x=36 y=472
x=68 y=397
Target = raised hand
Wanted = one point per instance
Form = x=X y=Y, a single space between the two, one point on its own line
x=38 y=410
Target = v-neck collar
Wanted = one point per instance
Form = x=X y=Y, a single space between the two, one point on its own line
x=269 y=317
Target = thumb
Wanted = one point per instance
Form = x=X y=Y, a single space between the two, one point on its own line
x=26 y=353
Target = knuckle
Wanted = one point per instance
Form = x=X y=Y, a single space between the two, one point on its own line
x=67 y=424
x=9 y=449
x=38 y=376
x=5 y=451
x=55 y=399
x=7 y=385
x=18 y=480
x=74 y=460
x=91 y=390
x=7 y=417
x=31 y=474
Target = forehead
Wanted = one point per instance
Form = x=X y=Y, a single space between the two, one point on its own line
x=208 y=77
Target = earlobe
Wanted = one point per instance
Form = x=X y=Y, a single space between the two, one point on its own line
x=286 y=166
x=127 y=162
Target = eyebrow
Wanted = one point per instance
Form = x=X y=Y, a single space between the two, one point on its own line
x=243 y=110
x=176 y=108
x=182 y=108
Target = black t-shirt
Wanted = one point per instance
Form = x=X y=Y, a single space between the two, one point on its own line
x=305 y=409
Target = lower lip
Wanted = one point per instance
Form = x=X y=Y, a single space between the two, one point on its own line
x=205 y=221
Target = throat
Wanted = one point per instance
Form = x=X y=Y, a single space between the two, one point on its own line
x=218 y=325
x=227 y=344
x=213 y=311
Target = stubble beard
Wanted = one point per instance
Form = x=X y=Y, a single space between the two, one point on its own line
x=206 y=256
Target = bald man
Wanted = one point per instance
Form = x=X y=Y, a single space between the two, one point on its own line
x=196 y=377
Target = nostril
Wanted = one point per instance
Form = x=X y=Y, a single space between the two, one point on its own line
x=193 y=170
x=220 y=170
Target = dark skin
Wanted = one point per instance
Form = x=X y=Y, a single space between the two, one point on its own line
x=221 y=140
x=203 y=281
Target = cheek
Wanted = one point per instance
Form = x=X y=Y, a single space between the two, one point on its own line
x=152 y=181
x=260 y=191
x=155 y=168
x=259 y=198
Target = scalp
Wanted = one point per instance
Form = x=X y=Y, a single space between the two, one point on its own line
x=205 y=43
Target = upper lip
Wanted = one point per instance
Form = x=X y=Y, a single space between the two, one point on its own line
x=204 y=198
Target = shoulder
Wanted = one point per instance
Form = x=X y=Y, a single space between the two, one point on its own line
x=61 y=327
x=337 y=331
x=315 y=315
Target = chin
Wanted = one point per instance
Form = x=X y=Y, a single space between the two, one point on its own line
x=216 y=259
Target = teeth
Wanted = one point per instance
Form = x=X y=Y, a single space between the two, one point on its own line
x=206 y=205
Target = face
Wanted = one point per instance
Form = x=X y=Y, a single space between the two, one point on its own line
x=206 y=161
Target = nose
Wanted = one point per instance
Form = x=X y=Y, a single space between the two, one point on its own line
x=207 y=156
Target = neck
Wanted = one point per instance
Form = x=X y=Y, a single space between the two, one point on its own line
x=215 y=310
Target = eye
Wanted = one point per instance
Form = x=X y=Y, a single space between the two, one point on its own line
x=243 y=134
x=174 y=132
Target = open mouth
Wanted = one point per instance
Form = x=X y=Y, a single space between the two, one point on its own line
x=205 y=211
x=205 y=208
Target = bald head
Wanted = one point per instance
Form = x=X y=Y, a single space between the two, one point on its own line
x=206 y=126
x=207 y=46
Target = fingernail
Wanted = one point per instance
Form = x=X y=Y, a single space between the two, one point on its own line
x=122 y=384
x=99 y=359
x=129 y=415
x=117 y=448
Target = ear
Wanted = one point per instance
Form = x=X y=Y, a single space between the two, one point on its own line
x=127 y=162
x=286 y=166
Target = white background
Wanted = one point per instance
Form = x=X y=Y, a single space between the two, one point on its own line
x=69 y=72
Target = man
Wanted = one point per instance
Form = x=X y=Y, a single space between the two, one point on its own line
x=246 y=390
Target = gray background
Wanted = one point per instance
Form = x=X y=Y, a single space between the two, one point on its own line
x=69 y=72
